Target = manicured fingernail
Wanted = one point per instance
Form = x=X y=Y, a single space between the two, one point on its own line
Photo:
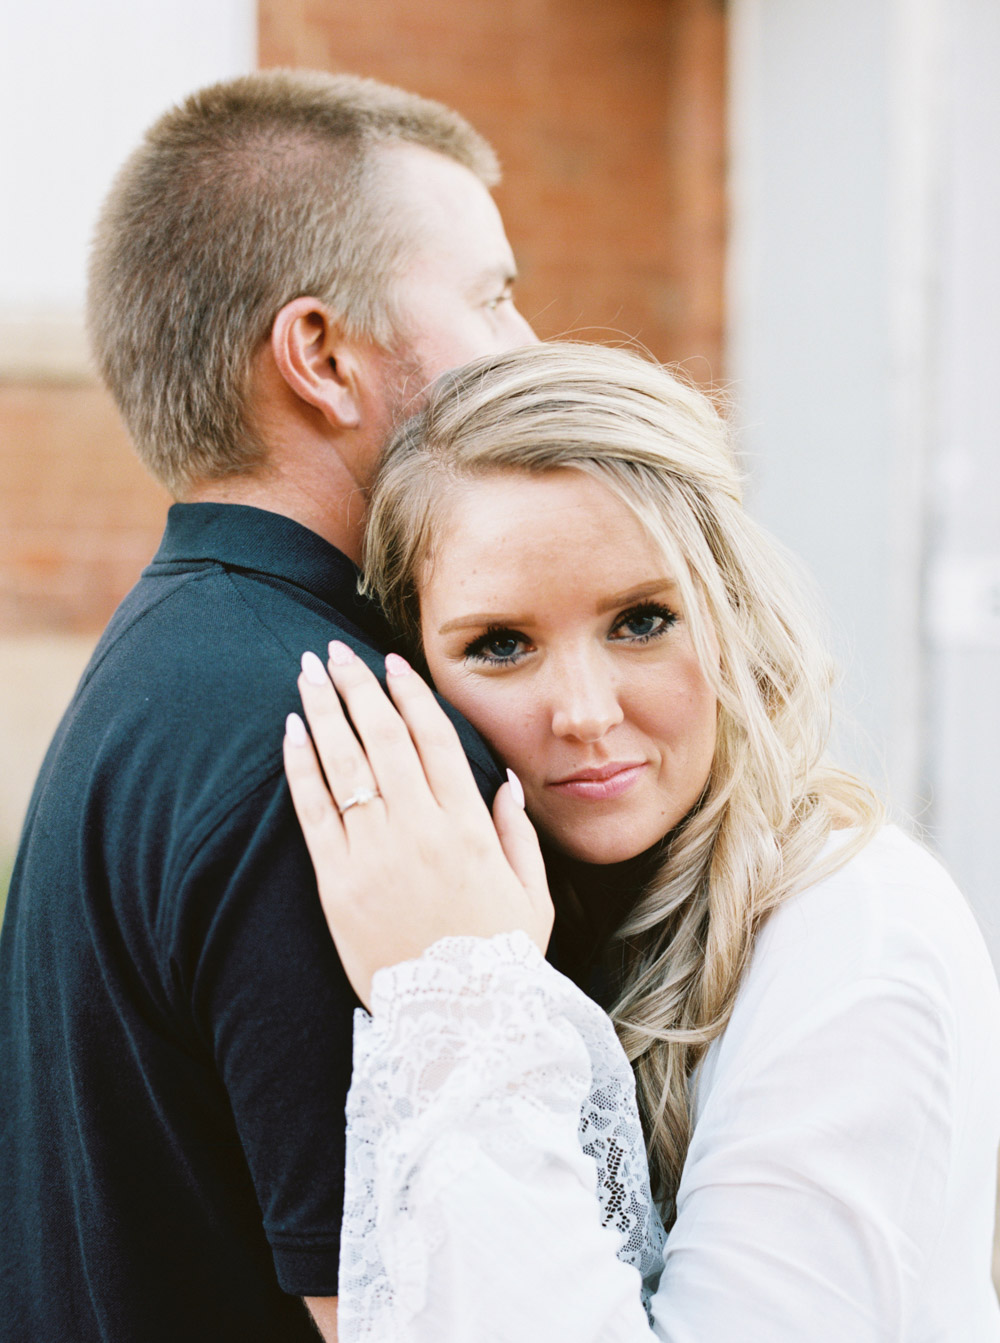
x=396 y=666
x=517 y=792
x=340 y=654
x=312 y=669
x=295 y=730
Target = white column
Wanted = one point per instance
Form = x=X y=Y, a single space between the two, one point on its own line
x=962 y=607
x=864 y=290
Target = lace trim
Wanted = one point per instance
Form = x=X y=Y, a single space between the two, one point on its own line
x=481 y=1039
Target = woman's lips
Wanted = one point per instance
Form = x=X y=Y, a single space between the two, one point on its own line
x=605 y=781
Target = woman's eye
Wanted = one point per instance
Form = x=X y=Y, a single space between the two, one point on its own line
x=497 y=646
x=643 y=623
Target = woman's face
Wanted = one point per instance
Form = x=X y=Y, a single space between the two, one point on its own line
x=548 y=619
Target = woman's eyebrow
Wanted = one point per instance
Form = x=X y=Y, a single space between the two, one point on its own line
x=477 y=621
x=651 y=589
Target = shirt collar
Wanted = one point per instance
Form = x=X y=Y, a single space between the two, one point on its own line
x=257 y=541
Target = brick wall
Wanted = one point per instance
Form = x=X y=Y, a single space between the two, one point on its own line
x=79 y=516
x=609 y=120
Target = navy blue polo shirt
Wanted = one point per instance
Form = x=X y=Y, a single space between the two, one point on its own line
x=175 y=1026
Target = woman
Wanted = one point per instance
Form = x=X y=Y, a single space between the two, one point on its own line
x=809 y=1011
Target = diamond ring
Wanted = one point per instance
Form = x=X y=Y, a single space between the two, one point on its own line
x=359 y=799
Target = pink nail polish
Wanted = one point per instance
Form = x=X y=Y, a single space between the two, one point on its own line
x=396 y=666
x=517 y=792
x=312 y=669
x=340 y=654
x=295 y=730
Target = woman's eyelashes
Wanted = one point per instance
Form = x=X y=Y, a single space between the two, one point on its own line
x=503 y=647
x=498 y=647
x=639 y=624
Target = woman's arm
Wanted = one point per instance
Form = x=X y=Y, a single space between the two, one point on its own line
x=492 y=1127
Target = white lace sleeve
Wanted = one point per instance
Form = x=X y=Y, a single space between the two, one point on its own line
x=494 y=1158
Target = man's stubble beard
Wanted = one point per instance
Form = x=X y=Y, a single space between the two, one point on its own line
x=407 y=385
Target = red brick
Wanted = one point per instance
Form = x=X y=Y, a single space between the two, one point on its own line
x=79 y=516
x=610 y=122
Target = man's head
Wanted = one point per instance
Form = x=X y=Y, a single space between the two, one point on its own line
x=265 y=191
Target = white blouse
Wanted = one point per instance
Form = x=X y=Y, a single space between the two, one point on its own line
x=841 y=1178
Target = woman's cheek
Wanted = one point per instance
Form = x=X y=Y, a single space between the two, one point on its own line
x=508 y=722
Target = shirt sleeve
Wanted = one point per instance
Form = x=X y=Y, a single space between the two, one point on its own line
x=813 y=1187
x=255 y=969
x=496 y=1175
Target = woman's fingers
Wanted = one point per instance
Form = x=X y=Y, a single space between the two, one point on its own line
x=521 y=849
x=321 y=825
x=326 y=840
x=344 y=762
x=385 y=737
x=433 y=734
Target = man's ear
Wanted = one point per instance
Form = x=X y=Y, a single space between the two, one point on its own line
x=317 y=361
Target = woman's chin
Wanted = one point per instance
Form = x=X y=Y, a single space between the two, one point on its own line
x=601 y=849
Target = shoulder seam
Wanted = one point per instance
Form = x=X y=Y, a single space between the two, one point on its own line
x=200 y=576
x=255 y=614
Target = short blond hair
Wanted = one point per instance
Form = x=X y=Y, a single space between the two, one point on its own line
x=247 y=195
x=772 y=797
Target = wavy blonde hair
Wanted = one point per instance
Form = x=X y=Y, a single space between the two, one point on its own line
x=772 y=799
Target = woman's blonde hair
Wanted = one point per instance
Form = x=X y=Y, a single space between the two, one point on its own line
x=772 y=799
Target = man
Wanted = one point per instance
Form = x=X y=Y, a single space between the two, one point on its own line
x=282 y=263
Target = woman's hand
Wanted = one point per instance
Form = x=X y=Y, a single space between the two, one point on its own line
x=403 y=845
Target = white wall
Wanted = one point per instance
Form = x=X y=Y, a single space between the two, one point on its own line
x=809 y=329
x=79 y=82
x=962 y=610
x=864 y=344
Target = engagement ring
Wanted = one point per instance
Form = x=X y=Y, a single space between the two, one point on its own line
x=359 y=799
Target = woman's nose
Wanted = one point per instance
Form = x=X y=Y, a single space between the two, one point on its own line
x=585 y=704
